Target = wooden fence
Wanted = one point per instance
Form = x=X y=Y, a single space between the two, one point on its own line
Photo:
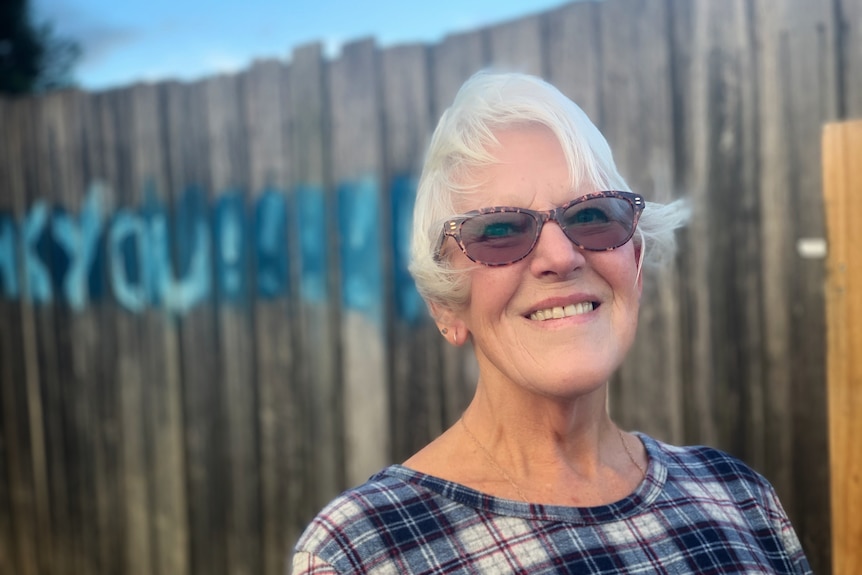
x=207 y=328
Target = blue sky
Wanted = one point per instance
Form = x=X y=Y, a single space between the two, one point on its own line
x=126 y=41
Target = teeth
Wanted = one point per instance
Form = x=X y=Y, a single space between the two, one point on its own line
x=561 y=312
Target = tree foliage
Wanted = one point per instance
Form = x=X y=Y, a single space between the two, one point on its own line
x=32 y=57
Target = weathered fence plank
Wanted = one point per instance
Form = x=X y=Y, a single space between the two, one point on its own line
x=150 y=197
x=454 y=60
x=81 y=427
x=574 y=55
x=800 y=90
x=203 y=381
x=357 y=164
x=103 y=165
x=312 y=229
x=518 y=45
x=24 y=451
x=228 y=164
x=849 y=35
x=278 y=406
x=416 y=408
x=635 y=90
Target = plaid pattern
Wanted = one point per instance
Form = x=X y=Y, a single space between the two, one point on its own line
x=698 y=511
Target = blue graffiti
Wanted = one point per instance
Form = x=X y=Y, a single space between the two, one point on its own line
x=8 y=259
x=80 y=240
x=37 y=280
x=270 y=221
x=409 y=304
x=311 y=224
x=230 y=243
x=361 y=268
x=176 y=259
x=128 y=247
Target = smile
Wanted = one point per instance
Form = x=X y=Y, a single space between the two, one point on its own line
x=560 y=312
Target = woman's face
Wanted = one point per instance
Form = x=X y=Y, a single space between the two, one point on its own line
x=513 y=311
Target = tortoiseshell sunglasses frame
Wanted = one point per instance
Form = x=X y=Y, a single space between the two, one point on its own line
x=452 y=227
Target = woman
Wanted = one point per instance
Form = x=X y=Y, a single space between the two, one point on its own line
x=524 y=247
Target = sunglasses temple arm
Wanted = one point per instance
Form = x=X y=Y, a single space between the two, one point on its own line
x=640 y=256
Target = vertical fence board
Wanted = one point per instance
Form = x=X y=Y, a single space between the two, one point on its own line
x=454 y=60
x=51 y=343
x=162 y=393
x=637 y=118
x=357 y=151
x=848 y=30
x=278 y=407
x=131 y=368
x=842 y=146
x=318 y=383
x=574 y=62
x=103 y=163
x=518 y=45
x=203 y=381
x=11 y=442
x=231 y=254
x=69 y=231
x=22 y=464
x=689 y=98
x=416 y=406
x=798 y=39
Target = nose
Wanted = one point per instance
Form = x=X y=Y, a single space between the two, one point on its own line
x=555 y=253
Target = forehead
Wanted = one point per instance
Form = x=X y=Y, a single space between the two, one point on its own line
x=530 y=170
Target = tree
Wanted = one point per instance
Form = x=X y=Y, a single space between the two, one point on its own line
x=32 y=57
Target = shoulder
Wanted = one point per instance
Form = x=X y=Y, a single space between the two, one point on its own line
x=706 y=471
x=362 y=524
x=702 y=461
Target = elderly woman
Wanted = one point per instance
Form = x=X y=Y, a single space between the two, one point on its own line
x=528 y=246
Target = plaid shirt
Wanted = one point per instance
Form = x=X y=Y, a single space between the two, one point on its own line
x=698 y=511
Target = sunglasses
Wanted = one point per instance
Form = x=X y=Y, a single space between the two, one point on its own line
x=499 y=236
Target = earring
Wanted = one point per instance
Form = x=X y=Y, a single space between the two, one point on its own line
x=444 y=331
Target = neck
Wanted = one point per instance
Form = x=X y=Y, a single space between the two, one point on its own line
x=529 y=428
x=548 y=450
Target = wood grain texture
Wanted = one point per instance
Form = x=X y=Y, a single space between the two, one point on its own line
x=453 y=61
x=275 y=375
x=842 y=183
x=635 y=90
x=417 y=402
x=518 y=45
x=314 y=248
x=574 y=56
x=800 y=93
x=24 y=451
x=357 y=164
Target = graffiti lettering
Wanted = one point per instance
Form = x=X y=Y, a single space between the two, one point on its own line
x=150 y=257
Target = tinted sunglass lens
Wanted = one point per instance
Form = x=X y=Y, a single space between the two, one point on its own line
x=600 y=223
x=498 y=238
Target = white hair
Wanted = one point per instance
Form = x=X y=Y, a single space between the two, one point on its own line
x=487 y=103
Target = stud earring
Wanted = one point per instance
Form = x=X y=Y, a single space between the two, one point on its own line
x=444 y=331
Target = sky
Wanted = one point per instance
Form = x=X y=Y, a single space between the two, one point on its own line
x=129 y=41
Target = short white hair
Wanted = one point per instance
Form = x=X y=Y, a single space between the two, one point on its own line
x=487 y=103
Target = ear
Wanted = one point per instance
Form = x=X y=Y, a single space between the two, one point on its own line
x=449 y=324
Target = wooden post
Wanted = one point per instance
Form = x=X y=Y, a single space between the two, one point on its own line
x=842 y=185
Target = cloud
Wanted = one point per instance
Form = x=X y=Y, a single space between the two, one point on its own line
x=97 y=38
